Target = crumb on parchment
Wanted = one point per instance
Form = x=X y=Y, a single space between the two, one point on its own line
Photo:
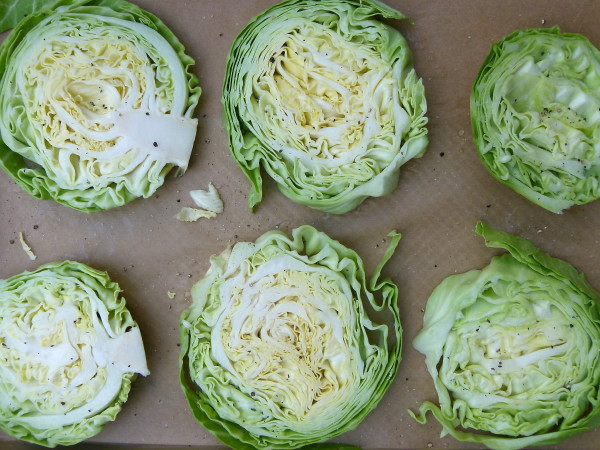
x=26 y=248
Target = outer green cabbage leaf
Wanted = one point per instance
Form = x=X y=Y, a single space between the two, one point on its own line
x=535 y=113
x=513 y=349
x=69 y=351
x=96 y=99
x=13 y=11
x=324 y=98
x=278 y=347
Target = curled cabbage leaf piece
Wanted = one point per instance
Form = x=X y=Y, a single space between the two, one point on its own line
x=535 y=113
x=324 y=98
x=69 y=351
x=209 y=200
x=96 y=99
x=513 y=349
x=279 y=349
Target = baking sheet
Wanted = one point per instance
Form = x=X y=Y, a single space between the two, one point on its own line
x=435 y=207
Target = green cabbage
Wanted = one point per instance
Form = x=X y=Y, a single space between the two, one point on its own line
x=535 y=112
x=278 y=348
x=513 y=349
x=96 y=99
x=69 y=351
x=324 y=98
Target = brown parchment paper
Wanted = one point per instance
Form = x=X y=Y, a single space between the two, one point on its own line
x=435 y=207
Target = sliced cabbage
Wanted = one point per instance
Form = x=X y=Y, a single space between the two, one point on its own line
x=513 y=349
x=535 y=112
x=69 y=351
x=279 y=349
x=324 y=98
x=96 y=99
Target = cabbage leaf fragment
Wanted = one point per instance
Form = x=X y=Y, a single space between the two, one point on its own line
x=69 y=350
x=278 y=347
x=323 y=97
x=535 y=113
x=513 y=349
x=209 y=200
x=96 y=99
x=187 y=214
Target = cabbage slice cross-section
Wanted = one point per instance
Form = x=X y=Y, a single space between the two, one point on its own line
x=97 y=100
x=280 y=348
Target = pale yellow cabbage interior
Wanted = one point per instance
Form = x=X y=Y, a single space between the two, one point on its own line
x=284 y=336
x=98 y=103
x=323 y=96
x=511 y=357
x=88 y=79
x=45 y=350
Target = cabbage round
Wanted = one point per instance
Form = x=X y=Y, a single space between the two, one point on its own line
x=324 y=98
x=69 y=350
x=96 y=100
x=514 y=349
x=278 y=348
x=535 y=112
